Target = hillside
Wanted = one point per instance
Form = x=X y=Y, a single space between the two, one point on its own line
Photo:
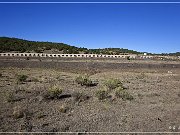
x=20 y=45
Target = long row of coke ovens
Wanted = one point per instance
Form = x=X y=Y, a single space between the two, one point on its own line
x=71 y=55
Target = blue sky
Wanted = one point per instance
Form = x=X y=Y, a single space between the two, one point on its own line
x=142 y=27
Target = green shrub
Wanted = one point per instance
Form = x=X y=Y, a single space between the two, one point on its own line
x=102 y=94
x=21 y=78
x=113 y=83
x=85 y=80
x=53 y=92
x=124 y=95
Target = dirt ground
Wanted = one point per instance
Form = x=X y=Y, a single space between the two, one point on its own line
x=154 y=85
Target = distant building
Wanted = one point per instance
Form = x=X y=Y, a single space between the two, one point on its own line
x=145 y=53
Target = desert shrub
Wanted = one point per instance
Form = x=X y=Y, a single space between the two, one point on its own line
x=124 y=95
x=128 y=58
x=18 y=88
x=40 y=115
x=85 y=80
x=154 y=95
x=34 y=80
x=63 y=109
x=140 y=95
x=141 y=76
x=113 y=83
x=18 y=112
x=53 y=92
x=59 y=78
x=80 y=96
x=21 y=78
x=102 y=94
x=118 y=91
x=11 y=97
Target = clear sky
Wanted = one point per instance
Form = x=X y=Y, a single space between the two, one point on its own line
x=142 y=27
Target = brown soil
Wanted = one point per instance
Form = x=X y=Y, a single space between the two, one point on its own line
x=153 y=84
